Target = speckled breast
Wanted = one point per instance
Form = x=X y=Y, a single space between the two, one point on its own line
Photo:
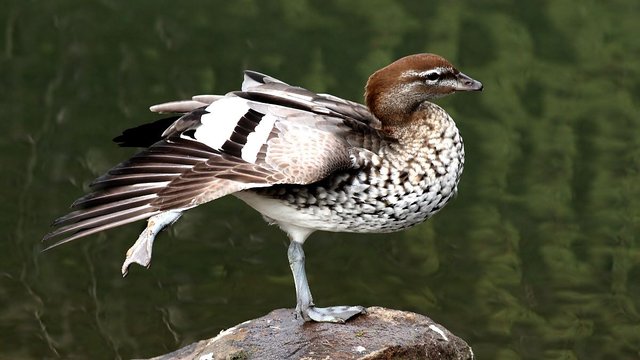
x=389 y=194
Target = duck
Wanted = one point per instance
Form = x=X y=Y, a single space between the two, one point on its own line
x=306 y=161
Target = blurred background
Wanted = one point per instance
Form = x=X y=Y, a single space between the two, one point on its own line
x=537 y=258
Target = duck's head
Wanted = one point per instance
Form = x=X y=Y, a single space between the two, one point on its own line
x=402 y=86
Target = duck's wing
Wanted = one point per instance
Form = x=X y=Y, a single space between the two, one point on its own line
x=264 y=88
x=244 y=140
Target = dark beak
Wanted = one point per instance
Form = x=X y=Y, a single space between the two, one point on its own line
x=465 y=83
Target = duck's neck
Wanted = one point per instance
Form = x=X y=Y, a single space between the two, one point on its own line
x=425 y=120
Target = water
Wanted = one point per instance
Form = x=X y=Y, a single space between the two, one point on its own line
x=538 y=257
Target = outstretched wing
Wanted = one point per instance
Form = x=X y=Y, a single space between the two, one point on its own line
x=265 y=89
x=269 y=133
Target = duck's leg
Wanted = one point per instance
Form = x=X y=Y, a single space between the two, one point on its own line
x=304 y=306
x=140 y=252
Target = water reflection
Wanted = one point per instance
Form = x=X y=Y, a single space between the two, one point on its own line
x=537 y=258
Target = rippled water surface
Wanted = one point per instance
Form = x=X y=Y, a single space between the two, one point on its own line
x=538 y=257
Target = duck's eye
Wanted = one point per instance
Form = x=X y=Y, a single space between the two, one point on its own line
x=433 y=76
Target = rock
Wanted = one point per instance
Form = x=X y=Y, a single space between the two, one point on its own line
x=380 y=334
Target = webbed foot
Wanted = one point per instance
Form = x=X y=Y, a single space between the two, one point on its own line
x=333 y=314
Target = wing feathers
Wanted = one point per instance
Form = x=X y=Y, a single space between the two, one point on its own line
x=155 y=167
x=181 y=106
x=86 y=231
x=174 y=174
x=133 y=179
x=114 y=194
x=144 y=135
x=268 y=133
x=107 y=208
x=128 y=191
x=122 y=216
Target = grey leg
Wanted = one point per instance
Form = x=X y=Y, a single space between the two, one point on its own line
x=140 y=252
x=304 y=300
x=304 y=306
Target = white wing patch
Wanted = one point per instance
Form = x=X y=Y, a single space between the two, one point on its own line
x=259 y=137
x=218 y=125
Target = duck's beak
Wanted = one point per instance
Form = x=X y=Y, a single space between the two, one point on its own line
x=465 y=83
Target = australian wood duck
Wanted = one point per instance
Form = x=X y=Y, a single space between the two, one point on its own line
x=305 y=161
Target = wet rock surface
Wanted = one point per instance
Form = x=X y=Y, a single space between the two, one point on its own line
x=380 y=334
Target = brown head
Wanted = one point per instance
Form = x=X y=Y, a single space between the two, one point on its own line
x=395 y=91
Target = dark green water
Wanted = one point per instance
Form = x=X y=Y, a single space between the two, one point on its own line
x=537 y=258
